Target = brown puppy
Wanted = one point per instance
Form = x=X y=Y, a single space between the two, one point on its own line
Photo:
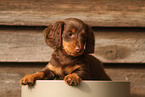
x=72 y=41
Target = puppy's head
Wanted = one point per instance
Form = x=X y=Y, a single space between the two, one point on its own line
x=73 y=35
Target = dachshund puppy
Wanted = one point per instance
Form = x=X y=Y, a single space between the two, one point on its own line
x=72 y=41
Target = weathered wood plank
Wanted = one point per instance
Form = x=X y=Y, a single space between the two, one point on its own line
x=120 y=45
x=23 y=44
x=95 y=13
x=113 y=45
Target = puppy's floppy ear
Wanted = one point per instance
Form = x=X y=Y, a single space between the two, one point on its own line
x=90 y=44
x=53 y=34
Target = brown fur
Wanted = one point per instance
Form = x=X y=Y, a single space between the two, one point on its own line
x=72 y=41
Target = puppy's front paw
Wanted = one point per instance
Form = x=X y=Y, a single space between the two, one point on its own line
x=72 y=79
x=28 y=80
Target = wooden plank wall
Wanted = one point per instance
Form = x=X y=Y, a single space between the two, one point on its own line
x=96 y=13
x=112 y=45
x=119 y=28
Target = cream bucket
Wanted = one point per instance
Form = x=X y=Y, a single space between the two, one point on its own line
x=58 y=88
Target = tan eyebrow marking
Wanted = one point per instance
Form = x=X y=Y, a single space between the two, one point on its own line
x=73 y=30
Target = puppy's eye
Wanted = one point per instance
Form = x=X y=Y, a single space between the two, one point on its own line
x=69 y=34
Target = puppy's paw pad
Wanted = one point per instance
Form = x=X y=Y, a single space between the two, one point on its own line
x=72 y=79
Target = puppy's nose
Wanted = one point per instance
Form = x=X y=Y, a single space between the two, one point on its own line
x=78 y=49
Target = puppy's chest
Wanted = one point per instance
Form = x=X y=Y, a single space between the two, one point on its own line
x=62 y=64
x=59 y=70
x=63 y=60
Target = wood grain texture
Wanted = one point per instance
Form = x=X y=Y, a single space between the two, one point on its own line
x=112 y=45
x=96 y=13
x=23 y=44
x=120 y=45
